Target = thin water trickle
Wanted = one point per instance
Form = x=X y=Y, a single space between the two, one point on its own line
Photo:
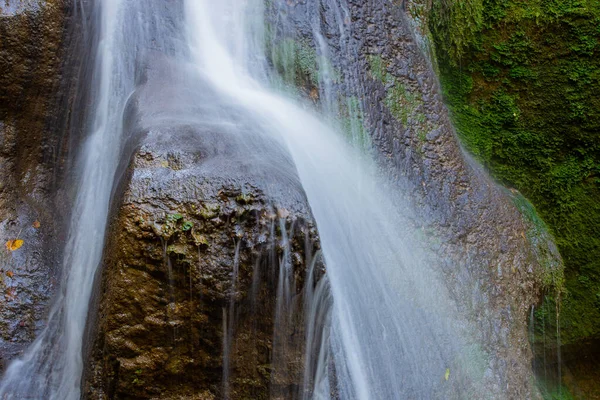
x=317 y=306
x=532 y=333
x=229 y=322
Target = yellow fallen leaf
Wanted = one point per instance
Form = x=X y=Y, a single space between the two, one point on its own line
x=13 y=245
x=36 y=225
x=447 y=376
x=10 y=294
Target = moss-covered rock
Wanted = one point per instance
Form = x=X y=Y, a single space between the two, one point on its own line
x=523 y=93
x=521 y=79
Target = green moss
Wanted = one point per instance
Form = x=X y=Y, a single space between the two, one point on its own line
x=295 y=61
x=352 y=121
x=402 y=102
x=209 y=211
x=521 y=79
x=137 y=377
x=457 y=23
x=378 y=68
x=244 y=198
x=538 y=235
x=174 y=217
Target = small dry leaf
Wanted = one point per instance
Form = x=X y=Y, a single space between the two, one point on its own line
x=10 y=274
x=13 y=245
x=36 y=225
x=10 y=294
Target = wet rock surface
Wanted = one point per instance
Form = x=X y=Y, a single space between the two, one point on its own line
x=32 y=61
x=201 y=235
x=14 y=7
x=493 y=266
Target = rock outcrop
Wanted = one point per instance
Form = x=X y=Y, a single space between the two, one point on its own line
x=200 y=294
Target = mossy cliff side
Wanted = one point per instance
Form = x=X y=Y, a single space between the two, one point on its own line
x=522 y=82
x=522 y=79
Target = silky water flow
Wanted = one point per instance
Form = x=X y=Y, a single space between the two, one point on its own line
x=380 y=323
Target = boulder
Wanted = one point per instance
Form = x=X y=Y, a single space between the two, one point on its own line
x=200 y=294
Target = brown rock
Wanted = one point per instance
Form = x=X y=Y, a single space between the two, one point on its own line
x=189 y=286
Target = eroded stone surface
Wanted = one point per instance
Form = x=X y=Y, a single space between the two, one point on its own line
x=31 y=45
x=13 y=7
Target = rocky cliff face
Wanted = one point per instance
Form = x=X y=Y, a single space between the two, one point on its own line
x=521 y=79
x=496 y=260
x=33 y=134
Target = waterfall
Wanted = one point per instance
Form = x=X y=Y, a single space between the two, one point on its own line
x=394 y=330
x=381 y=325
x=128 y=34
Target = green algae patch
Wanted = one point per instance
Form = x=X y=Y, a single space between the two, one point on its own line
x=403 y=103
x=296 y=61
x=352 y=122
x=542 y=243
x=378 y=68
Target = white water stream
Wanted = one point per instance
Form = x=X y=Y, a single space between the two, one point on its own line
x=127 y=30
x=394 y=332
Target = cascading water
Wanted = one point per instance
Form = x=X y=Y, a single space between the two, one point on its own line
x=393 y=331
x=381 y=326
x=128 y=34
